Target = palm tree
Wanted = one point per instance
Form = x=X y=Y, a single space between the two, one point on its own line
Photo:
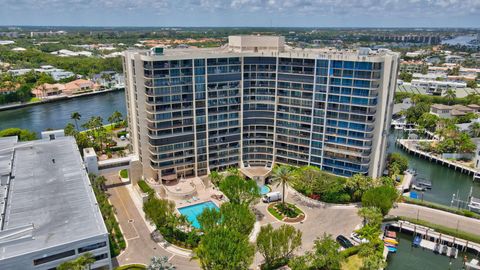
x=451 y=95
x=215 y=177
x=115 y=117
x=475 y=129
x=283 y=175
x=80 y=263
x=75 y=116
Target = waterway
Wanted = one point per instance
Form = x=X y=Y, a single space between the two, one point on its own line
x=408 y=257
x=461 y=40
x=56 y=115
x=445 y=181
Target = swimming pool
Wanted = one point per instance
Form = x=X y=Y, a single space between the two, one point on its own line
x=264 y=189
x=192 y=211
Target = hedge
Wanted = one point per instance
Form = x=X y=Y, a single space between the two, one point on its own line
x=145 y=187
x=131 y=267
x=442 y=229
x=462 y=212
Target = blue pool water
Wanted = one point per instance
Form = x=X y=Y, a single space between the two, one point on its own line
x=264 y=189
x=193 y=211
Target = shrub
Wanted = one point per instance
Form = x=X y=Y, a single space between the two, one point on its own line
x=124 y=173
x=145 y=188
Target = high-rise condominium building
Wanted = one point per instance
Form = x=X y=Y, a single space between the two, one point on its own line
x=258 y=102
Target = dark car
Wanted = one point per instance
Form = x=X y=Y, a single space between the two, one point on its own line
x=344 y=242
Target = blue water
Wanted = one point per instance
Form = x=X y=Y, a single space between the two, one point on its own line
x=193 y=211
x=460 y=40
x=264 y=189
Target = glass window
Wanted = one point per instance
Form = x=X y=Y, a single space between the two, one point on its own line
x=54 y=257
x=92 y=247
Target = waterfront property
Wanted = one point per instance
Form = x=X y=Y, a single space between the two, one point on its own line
x=257 y=102
x=50 y=214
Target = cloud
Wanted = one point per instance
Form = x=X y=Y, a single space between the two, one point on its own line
x=272 y=6
x=421 y=10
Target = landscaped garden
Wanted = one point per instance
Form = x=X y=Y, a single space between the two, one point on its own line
x=116 y=239
x=286 y=212
x=103 y=138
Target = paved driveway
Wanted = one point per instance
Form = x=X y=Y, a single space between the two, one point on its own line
x=140 y=247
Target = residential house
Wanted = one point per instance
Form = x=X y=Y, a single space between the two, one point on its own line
x=446 y=111
x=48 y=90
x=79 y=86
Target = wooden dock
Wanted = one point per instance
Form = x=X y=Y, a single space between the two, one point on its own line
x=430 y=237
x=406 y=145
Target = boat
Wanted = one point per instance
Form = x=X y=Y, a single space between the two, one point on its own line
x=474 y=204
x=436 y=249
x=419 y=188
x=445 y=250
x=423 y=183
x=391 y=234
x=453 y=253
x=390 y=240
x=390 y=245
x=416 y=241
x=392 y=249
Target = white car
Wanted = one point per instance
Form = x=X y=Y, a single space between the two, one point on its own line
x=355 y=237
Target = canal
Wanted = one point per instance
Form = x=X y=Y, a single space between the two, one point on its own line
x=56 y=115
x=445 y=181
x=408 y=257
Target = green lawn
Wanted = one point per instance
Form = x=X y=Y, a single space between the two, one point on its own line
x=34 y=99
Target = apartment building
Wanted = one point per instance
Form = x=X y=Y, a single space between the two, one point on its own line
x=49 y=213
x=257 y=102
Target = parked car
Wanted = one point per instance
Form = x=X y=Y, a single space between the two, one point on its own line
x=355 y=237
x=272 y=197
x=344 y=242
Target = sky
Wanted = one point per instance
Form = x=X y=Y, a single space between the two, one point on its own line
x=256 y=13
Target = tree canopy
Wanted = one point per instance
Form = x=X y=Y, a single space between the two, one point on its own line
x=223 y=248
x=278 y=245
x=381 y=197
x=239 y=190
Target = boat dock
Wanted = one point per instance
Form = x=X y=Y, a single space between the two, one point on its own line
x=406 y=182
x=430 y=238
x=407 y=146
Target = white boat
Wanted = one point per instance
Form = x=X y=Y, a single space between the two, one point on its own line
x=474 y=204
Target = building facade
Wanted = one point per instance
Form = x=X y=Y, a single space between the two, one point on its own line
x=49 y=213
x=197 y=110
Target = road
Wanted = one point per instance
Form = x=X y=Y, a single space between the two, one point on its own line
x=140 y=247
x=439 y=217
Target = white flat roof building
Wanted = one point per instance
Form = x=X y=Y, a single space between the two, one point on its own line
x=49 y=213
x=437 y=87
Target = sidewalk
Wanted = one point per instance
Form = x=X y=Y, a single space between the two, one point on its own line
x=439 y=217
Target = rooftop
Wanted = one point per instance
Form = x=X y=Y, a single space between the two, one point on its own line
x=264 y=46
x=49 y=198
